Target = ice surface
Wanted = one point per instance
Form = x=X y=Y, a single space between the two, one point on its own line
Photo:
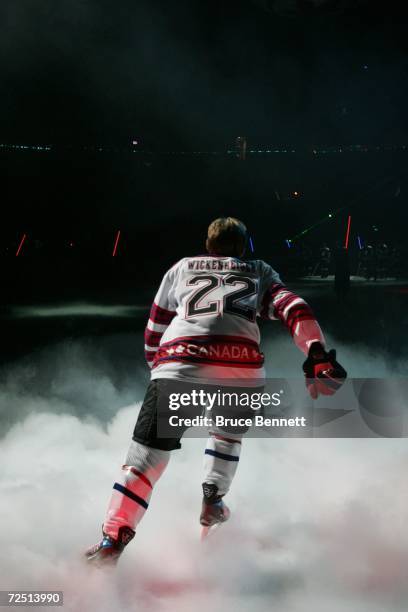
x=318 y=525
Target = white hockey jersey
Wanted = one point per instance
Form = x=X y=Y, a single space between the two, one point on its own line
x=203 y=321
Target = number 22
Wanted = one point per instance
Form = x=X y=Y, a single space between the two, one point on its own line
x=232 y=303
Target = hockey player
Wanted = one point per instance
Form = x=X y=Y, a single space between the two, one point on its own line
x=202 y=327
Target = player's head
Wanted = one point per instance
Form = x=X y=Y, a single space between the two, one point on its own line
x=226 y=236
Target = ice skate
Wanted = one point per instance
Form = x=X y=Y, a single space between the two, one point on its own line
x=108 y=550
x=214 y=512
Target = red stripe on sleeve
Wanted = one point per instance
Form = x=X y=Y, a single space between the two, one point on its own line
x=268 y=298
x=161 y=315
x=297 y=311
x=152 y=338
x=284 y=303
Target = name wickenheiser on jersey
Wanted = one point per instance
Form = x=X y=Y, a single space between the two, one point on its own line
x=221 y=421
x=220 y=264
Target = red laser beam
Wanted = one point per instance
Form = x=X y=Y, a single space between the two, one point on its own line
x=347 y=232
x=116 y=244
x=20 y=245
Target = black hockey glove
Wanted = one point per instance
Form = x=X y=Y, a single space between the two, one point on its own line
x=324 y=375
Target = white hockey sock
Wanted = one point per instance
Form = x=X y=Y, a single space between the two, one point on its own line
x=132 y=491
x=221 y=460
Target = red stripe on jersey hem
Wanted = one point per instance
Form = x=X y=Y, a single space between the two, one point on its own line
x=200 y=360
x=209 y=339
x=217 y=350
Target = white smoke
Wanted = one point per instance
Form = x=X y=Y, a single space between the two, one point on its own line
x=317 y=525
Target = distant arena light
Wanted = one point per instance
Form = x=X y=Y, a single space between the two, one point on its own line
x=347 y=232
x=116 y=244
x=20 y=246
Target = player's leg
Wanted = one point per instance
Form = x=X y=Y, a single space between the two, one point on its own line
x=146 y=460
x=220 y=465
x=134 y=486
x=221 y=457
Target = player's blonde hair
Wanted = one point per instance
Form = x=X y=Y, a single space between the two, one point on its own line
x=226 y=236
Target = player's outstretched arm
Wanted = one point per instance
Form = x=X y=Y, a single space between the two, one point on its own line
x=324 y=375
x=295 y=314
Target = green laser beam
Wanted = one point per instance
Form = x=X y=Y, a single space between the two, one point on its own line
x=382 y=182
x=308 y=229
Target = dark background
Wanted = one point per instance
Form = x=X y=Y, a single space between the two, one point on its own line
x=198 y=73
x=84 y=79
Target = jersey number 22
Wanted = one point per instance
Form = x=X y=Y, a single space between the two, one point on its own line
x=233 y=303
